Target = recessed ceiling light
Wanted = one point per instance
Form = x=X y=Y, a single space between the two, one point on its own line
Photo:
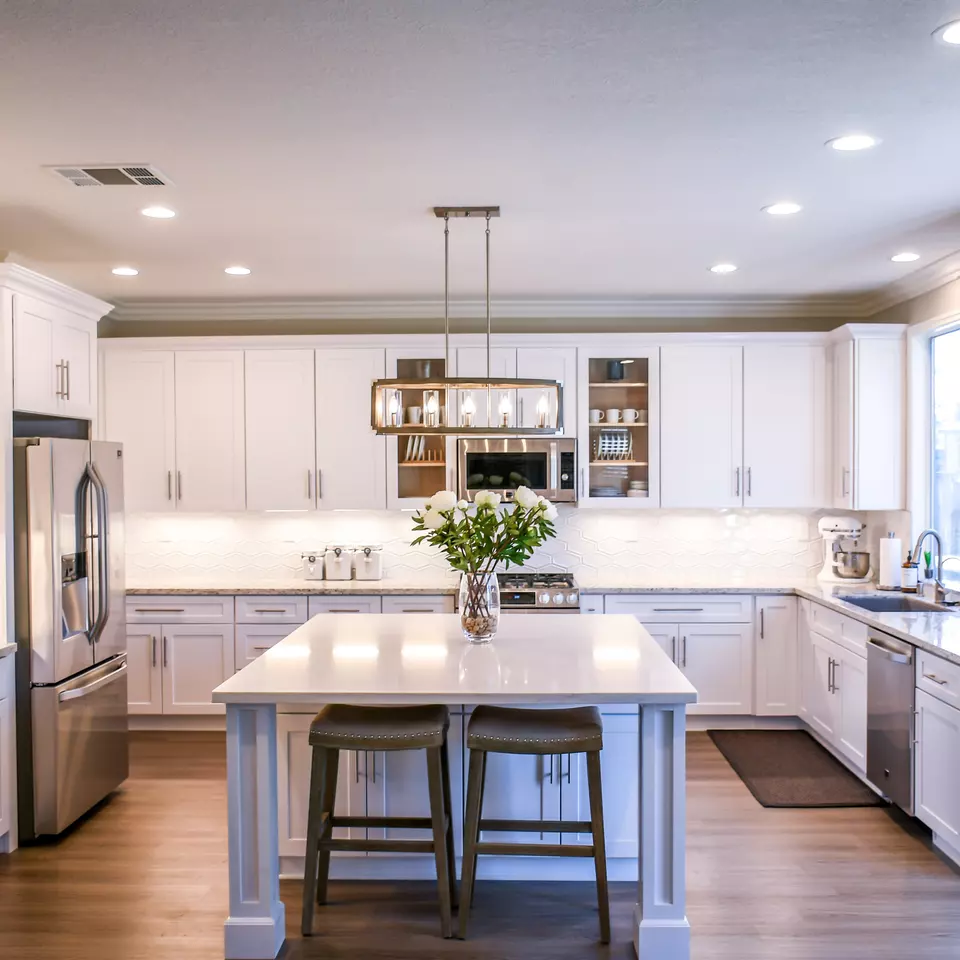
x=853 y=141
x=905 y=257
x=783 y=208
x=158 y=213
x=723 y=268
x=125 y=271
x=949 y=33
x=237 y=271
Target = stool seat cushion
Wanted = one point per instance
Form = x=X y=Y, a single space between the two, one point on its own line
x=347 y=727
x=538 y=732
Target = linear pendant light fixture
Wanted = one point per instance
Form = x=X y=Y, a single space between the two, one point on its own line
x=449 y=405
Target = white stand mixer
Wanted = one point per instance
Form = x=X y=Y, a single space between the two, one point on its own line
x=840 y=564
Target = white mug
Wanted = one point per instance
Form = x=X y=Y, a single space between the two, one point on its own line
x=596 y=416
x=414 y=414
x=612 y=415
x=630 y=415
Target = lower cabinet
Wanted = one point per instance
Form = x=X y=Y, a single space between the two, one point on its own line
x=174 y=668
x=254 y=639
x=937 y=800
x=344 y=604
x=7 y=798
x=775 y=629
x=520 y=787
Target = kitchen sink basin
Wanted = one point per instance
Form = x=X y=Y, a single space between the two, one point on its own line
x=893 y=604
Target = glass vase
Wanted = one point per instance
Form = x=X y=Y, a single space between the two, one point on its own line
x=479 y=606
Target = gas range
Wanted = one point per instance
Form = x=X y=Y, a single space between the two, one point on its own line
x=538 y=593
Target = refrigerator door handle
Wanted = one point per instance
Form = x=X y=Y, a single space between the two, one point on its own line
x=78 y=692
x=102 y=538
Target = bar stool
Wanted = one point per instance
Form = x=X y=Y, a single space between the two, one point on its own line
x=536 y=733
x=342 y=727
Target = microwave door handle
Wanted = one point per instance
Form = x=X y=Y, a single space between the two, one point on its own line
x=554 y=467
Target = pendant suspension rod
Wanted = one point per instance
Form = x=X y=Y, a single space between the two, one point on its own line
x=446 y=296
x=488 y=294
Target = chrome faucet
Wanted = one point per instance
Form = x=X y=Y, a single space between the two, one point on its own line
x=940 y=591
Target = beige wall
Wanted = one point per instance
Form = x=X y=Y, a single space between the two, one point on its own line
x=942 y=302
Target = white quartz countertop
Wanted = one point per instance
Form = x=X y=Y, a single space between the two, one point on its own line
x=601 y=585
x=417 y=658
x=296 y=587
x=7 y=648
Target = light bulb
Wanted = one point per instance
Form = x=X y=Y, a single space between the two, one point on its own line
x=467 y=409
x=504 y=405
x=432 y=403
x=543 y=408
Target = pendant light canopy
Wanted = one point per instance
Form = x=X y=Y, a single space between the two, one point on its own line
x=465 y=405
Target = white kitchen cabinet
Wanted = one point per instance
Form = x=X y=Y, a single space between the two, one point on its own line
x=850 y=688
x=55 y=359
x=822 y=706
x=210 y=430
x=591 y=604
x=717 y=659
x=346 y=603
x=777 y=681
x=617 y=378
x=937 y=793
x=667 y=636
x=281 y=432
x=521 y=787
x=701 y=426
x=351 y=458
x=7 y=797
x=144 y=673
x=785 y=431
x=868 y=399
x=138 y=409
x=293 y=783
x=195 y=659
x=472 y=362
x=418 y=604
x=251 y=640
x=547 y=363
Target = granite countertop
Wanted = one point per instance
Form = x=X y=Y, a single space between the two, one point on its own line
x=295 y=588
x=7 y=648
x=589 y=586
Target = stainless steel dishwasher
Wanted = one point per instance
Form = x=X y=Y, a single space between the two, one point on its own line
x=890 y=719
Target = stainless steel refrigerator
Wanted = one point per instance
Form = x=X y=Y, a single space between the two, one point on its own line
x=71 y=630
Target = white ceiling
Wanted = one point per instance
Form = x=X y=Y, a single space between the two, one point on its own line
x=630 y=143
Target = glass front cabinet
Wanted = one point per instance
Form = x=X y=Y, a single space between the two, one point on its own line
x=618 y=428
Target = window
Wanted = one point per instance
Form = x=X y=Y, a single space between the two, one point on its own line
x=946 y=443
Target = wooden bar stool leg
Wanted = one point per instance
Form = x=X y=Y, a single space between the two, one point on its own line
x=331 y=770
x=438 y=815
x=483 y=787
x=471 y=836
x=448 y=810
x=314 y=819
x=599 y=845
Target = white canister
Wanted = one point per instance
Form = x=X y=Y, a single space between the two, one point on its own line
x=338 y=562
x=312 y=565
x=368 y=562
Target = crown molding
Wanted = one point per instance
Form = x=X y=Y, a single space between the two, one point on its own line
x=921 y=281
x=601 y=309
x=21 y=279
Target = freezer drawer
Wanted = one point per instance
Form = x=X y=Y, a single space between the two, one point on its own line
x=79 y=744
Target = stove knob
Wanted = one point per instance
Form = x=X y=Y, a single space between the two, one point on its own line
x=543 y=598
x=572 y=597
x=558 y=598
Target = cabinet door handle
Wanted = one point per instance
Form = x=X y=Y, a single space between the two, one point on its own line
x=169 y=484
x=66 y=377
x=309 y=485
x=844 y=474
x=916 y=729
x=935 y=679
x=59 y=390
x=523 y=422
x=319 y=485
x=673 y=648
x=153 y=655
x=164 y=652
x=581 y=480
x=179 y=486
x=356 y=765
x=749 y=481
x=736 y=492
x=683 y=649
x=830 y=675
x=836 y=688
x=761 y=623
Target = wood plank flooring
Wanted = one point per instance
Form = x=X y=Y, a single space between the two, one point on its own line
x=145 y=877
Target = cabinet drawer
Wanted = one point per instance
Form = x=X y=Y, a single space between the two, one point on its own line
x=415 y=604
x=344 y=604
x=686 y=608
x=844 y=630
x=160 y=609
x=6 y=674
x=938 y=677
x=253 y=639
x=271 y=609
x=591 y=603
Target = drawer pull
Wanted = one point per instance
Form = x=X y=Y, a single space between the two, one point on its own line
x=418 y=610
x=159 y=610
x=678 y=609
x=935 y=679
x=270 y=611
x=341 y=610
x=268 y=647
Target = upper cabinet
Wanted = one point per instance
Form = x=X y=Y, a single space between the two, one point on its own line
x=351 y=458
x=210 y=430
x=869 y=411
x=701 y=423
x=54 y=345
x=744 y=426
x=618 y=424
x=547 y=363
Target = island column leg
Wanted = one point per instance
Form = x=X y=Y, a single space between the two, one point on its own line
x=254 y=930
x=661 y=928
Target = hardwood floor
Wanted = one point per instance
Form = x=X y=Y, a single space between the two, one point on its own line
x=145 y=877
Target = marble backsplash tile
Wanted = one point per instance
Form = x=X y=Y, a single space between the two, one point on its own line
x=656 y=546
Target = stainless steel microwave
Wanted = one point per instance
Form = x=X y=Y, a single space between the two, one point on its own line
x=546 y=465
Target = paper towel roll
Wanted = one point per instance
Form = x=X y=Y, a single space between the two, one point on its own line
x=891 y=557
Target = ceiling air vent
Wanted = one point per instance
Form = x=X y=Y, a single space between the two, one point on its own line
x=102 y=175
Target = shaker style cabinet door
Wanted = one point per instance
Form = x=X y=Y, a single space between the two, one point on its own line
x=701 y=426
x=144 y=669
x=195 y=659
x=75 y=347
x=281 y=432
x=36 y=378
x=209 y=430
x=351 y=471
x=7 y=796
x=777 y=673
x=784 y=425
x=138 y=410
x=938 y=772
x=548 y=363
x=717 y=659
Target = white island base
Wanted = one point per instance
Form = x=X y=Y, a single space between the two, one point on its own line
x=417 y=658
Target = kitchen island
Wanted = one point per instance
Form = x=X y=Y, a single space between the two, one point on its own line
x=417 y=658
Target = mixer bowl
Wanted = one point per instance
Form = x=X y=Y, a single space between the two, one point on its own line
x=851 y=564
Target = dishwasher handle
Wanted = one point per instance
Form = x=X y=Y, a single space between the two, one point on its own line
x=888 y=652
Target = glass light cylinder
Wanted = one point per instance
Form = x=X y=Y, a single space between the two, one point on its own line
x=394 y=408
x=543 y=409
x=468 y=410
x=431 y=407
x=505 y=409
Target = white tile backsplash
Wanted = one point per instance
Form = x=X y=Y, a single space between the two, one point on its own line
x=655 y=546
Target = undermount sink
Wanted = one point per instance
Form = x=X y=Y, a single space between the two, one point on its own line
x=893 y=604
